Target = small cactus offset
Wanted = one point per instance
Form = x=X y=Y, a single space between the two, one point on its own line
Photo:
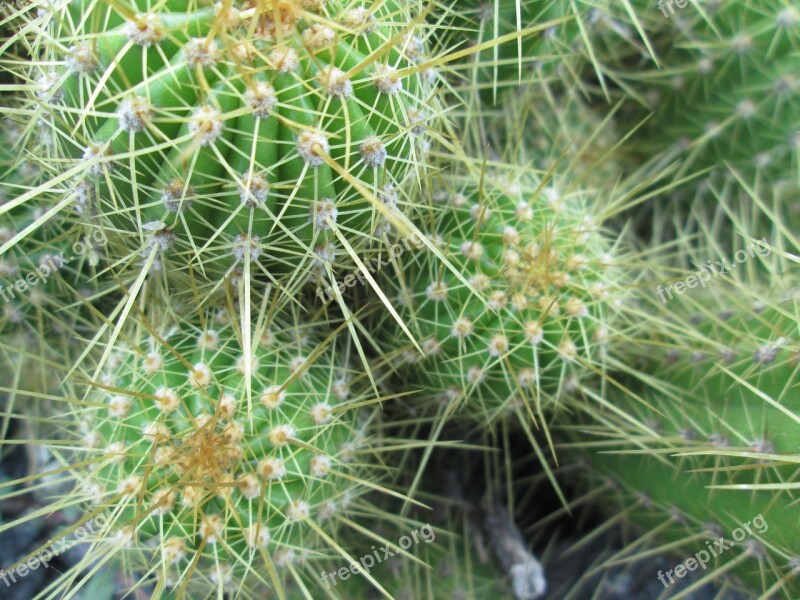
x=218 y=466
x=533 y=302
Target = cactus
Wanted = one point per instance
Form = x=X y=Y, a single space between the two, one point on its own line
x=219 y=157
x=538 y=300
x=724 y=94
x=707 y=450
x=206 y=465
x=696 y=438
x=537 y=294
x=205 y=137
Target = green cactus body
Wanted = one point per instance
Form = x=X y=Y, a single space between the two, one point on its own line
x=540 y=307
x=202 y=484
x=726 y=88
x=715 y=450
x=214 y=134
